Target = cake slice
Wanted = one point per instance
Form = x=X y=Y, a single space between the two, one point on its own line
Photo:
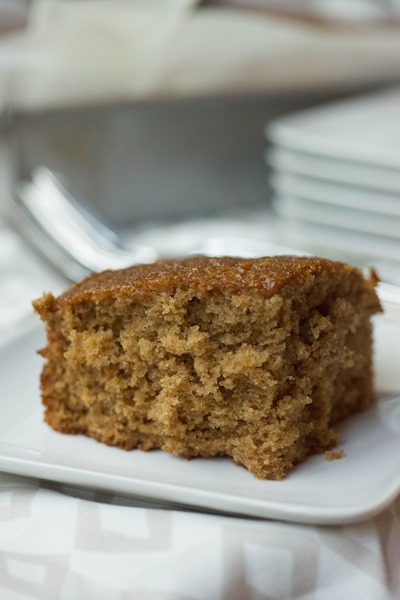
x=253 y=359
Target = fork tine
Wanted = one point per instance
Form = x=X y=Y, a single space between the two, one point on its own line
x=69 y=226
x=51 y=200
x=31 y=232
x=62 y=234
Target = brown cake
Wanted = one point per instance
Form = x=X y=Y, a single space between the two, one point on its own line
x=253 y=359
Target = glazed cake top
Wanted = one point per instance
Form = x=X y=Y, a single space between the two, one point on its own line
x=265 y=276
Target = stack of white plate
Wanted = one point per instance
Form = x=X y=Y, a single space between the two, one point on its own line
x=335 y=174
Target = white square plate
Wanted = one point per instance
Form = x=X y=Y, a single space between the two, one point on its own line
x=293 y=207
x=335 y=194
x=363 y=130
x=318 y=491
x=383 y=181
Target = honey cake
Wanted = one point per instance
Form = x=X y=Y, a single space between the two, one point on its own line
x=255 y=359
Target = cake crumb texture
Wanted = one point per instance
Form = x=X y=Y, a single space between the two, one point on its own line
x=334 y=454
x=253 y=359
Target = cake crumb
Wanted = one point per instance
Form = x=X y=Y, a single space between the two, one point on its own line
x=334 y=454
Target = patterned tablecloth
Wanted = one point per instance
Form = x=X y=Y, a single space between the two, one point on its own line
x=57 y=542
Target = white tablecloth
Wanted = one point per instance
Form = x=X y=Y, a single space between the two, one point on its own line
x=62 y=543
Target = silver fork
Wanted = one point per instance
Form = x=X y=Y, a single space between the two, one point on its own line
x=71 y=239
x=75 y=243
x=63 y=232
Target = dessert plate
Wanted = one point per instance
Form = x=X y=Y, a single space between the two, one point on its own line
x=365 y=248
x=319 y=168
x=367 y=202
x=293 y=207
x=319 y=491
x=363 y=130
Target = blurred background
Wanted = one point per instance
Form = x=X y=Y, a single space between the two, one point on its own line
x=189 y=124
